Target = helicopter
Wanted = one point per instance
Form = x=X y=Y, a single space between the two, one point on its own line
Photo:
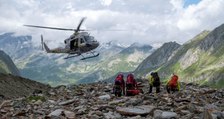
x=79 y=43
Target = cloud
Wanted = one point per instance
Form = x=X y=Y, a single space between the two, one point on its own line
x=145 y=21
x=199 y=16
x=106 y=2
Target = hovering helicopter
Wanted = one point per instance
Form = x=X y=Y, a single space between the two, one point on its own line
x=78 y=43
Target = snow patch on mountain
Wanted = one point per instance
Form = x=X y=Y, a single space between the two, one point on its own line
x=136 y=56
x=114 y=62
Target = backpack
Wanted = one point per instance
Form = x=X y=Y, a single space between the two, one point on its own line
x=117 y=86
x=156 y=78
x=130 y=82
x=117 y=82
x=173 y=81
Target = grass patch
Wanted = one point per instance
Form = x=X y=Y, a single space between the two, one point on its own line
x=35 y=98
x=4 y=67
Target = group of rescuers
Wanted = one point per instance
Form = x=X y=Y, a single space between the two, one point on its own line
x=130 y=86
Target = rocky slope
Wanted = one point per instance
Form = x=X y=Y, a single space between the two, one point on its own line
x=6 y=65
x=200 y=60
x=15 y=86
x=95 y=101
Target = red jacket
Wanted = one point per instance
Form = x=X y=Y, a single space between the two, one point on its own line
x=131 y=80
x=121 y=79
x=173 y=82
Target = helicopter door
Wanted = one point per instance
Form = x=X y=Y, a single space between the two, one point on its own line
x=74 y=44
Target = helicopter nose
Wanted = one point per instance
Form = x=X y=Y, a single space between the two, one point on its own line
x=97 y=44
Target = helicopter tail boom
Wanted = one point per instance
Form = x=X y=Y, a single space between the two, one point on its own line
x=56 y=50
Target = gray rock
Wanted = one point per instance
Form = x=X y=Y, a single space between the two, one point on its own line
x=218 y=115
x=159 y=114
x=169 y=115
x=188 y=116
x=56 y=113
x=67 y=102
x=134 y=101
x=62 y=112
x=137 y=110
x=5 y=103
x=104 y=97
x=94 y=116
x=112 y=115
x=137 y=117
x=69 y=114
x=185 y=112
x=206 y=115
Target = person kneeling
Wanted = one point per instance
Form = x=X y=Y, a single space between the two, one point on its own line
x=154 y=81
x=119 y=85
x=131 y=86
x=173 y=84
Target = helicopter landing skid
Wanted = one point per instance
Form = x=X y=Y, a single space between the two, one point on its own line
x=94 y=55
x=84 y=58
x=70 y=56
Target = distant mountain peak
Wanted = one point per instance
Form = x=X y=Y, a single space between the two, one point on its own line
x=170 y=43
x=135 y=44
x=116 y=43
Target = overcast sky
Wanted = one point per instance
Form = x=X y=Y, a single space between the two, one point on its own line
x=145 y=21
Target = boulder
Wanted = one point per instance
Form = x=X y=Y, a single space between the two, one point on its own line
x=104 y=97
x=159 y=114
x=137 y=110
x=62 y=112
x=67 y=102
x=112 y=115
x=169 y=115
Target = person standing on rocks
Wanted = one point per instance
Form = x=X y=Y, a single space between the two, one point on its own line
x=154 y=81
x=173 y=84
x=119 y=85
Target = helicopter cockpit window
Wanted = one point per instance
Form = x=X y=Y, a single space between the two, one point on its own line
x=72 y=37
x=87 y=38
x=82 y=40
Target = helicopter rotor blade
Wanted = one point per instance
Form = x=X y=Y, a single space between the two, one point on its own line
x=80 y=23
x=55 y=28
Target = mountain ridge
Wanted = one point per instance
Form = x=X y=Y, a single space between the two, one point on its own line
x=15 y=86
x=199 y=60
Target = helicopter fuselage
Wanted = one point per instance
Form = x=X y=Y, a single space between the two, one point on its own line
x=81 y=42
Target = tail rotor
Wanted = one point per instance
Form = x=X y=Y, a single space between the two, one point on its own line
x=42 y=42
